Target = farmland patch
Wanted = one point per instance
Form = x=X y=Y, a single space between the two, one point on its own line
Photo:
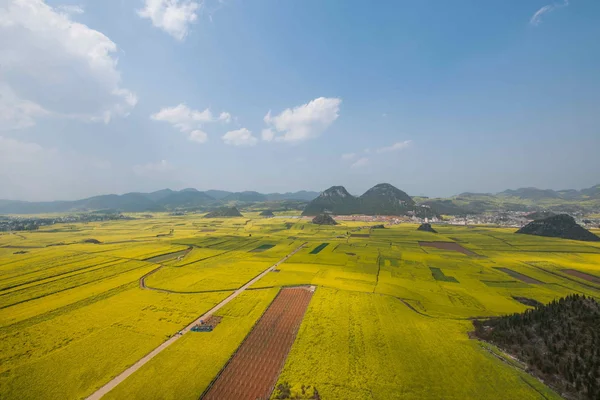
x=582 y=275
x=438 y=275
x=318 y=249
x=262 y=248
x=519 y=276
x=448 y=246
x=360 y=235
x=254 y=368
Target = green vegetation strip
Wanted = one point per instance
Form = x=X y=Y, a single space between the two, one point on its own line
x=262 y=248
x=320 y=247
x=439 y=275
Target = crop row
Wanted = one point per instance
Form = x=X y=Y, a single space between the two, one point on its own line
x=253 y=370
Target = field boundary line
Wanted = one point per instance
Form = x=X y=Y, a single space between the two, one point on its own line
x=98 y=394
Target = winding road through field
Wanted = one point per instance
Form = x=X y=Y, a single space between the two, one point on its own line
x=129 y=371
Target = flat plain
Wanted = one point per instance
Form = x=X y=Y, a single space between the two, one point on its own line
x=389 y=317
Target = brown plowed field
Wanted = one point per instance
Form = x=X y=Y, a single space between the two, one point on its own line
x=582 y=275
x=449 y=246
x=253 y=370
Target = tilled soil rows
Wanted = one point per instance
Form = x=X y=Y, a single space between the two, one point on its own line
x=253 y=370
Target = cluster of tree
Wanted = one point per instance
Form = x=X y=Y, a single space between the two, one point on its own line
x=286 y=391
x=559 y=342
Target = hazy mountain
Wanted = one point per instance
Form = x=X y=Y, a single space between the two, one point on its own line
x=301 y=195
x=594 y=192
x=382 y=199
x=186 y=199
x=248 y=196
x=531 y=193
x=217 y=194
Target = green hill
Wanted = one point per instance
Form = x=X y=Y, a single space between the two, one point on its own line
x=385 y=199
x=224 y=212
x=335 y=200
x=559 y=226
x=381 y=199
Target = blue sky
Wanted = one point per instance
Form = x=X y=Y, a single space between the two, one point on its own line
x=435 y=97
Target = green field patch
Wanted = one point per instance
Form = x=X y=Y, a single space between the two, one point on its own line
x=519 y=276
x=389 y=261
x=438 y=275
x=506 y=284
x=318 y=249
x=262 y=248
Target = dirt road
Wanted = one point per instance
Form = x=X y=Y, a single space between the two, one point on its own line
x=125 y=374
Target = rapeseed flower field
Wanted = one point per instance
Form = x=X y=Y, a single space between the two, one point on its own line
x=389 y=318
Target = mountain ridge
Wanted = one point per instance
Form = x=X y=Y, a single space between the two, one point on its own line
x=521 y=199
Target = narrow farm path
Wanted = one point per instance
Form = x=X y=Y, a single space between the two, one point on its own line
x=129 y=371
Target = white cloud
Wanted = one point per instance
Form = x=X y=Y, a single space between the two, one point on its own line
x=240 y=137
x=267 y=134
x=348 y=156
x=361 y=162
x=152 y=168
x=225 y=117
x=188 y=121
x=54 y=66
x=536 y=19
x=71 y=9
x=395 y=147
x=172 y=16
x=182 y=117
x=306 y=121
x=17 y=113
x=198 y=136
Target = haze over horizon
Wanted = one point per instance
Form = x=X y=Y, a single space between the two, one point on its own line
x=436 y=98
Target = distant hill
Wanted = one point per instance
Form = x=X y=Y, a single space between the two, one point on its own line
x=335 y=200
x=522 y=199
x=324 y=219
x=426 y=228
x=301 y=195
x=381 y=199
x=593 y=192
x=531 y=193
x=559 y=226
x=160 y=200
x=185 y=199
x=218 y=194
x=267 y=213
x=224 y=212
x=248 y=197
x=385 y=199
